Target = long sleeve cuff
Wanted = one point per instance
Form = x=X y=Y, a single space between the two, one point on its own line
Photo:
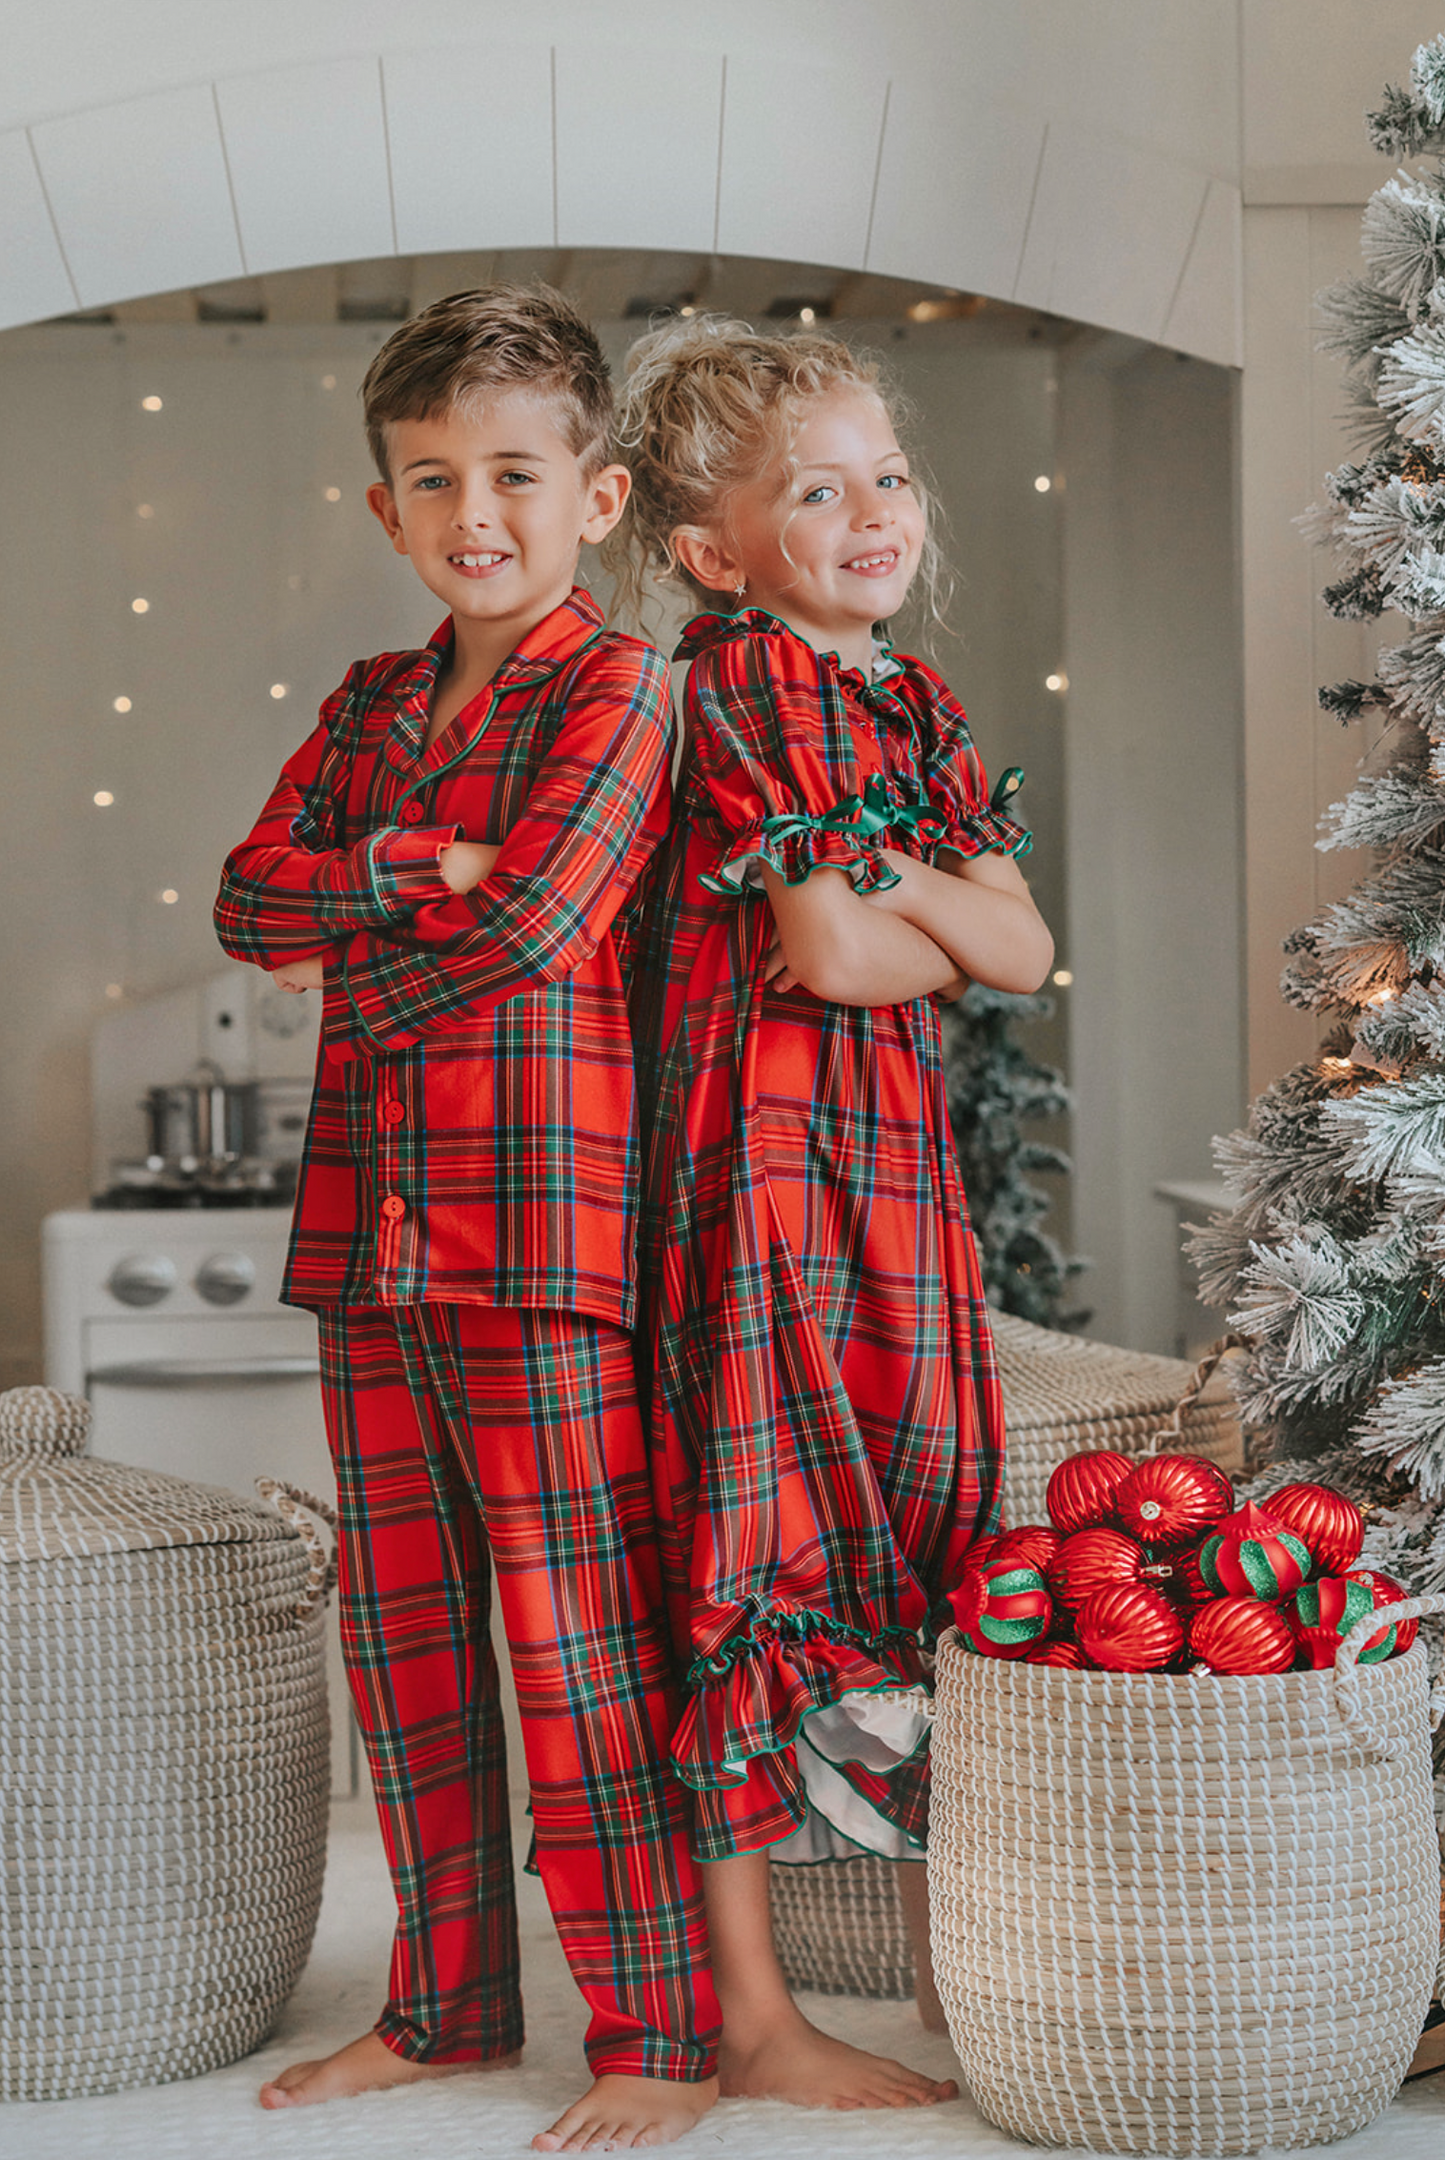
x=403 y=863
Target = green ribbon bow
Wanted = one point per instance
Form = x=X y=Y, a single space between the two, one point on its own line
x=865 y=815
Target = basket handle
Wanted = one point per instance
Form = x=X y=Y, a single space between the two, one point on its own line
x=1194 y=1387
x=297 y=1508
x=1389 y=1747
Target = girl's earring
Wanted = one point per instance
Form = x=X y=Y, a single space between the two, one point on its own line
x=740 y=588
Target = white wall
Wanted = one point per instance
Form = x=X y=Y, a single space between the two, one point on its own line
x=999 y=150
x=254 y=578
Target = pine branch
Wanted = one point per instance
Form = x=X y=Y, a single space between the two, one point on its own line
x=1403 y=241
x=1348 y=700
x=1397 y=808
x=1356 y=597
x=1395 y=1129
x=1406 y=1425
x=1356 y=319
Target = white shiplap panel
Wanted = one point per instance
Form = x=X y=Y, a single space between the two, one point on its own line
x=34 y=281
x=954 y=185
x=1110 y=230
x=307 y=152
x=800 y=149
x=655 y=183
x=1204 y=318
x=140 y=195
x=471 y=147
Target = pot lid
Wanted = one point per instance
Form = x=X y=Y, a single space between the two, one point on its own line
x=58 y=1502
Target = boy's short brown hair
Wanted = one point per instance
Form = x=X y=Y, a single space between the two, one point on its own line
x=504 y=337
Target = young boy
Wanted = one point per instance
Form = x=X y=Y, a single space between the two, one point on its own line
x=444 y=858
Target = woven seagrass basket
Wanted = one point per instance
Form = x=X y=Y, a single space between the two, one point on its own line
x=1064 y=1394
x=839 y=1926
x=1184 y=1915
x=163 y=1763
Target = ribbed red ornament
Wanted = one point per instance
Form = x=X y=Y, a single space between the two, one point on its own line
x=1082 y=1488
x=980 y=1550
x=1178 y=1576
x=1031 y=1545
x=1325 y=1520
x=1172 y=1499
x=1093 y=1560
x=1241 y=1635
x=1386 y=1591
x=1055 y=1652
x=1129 y=1629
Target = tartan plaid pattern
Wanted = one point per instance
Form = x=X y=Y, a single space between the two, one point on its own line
x=455 y=1429
x=826 y=1417
x=473 y=1133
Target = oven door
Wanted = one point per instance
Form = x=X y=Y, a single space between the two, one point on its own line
x=222 y=1402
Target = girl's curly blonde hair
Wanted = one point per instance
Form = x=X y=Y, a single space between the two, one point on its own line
x=708 y=404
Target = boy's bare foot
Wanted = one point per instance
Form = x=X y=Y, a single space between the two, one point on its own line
x=794 y=2061
x=365 y=2065
x=621 y=2114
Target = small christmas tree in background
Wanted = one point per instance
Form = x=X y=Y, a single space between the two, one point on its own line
x=1333 y=1264
x=993 y=1085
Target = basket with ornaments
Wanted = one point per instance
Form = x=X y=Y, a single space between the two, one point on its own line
x=1147 y=1565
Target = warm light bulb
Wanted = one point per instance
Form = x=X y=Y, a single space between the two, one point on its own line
x=333 y=494
x=1337 y=1064
x=688 y=310
x=140 y=607
x=279 y=689
x=1063 y=977
x=144 y=510
x=120 y=704
x=807 y=315
x=102 y=798
x=150 y=404
x=1381 y=997
x=1043 y=483
x=114 y=990
x=1056 y=681
x=328 y=382
x=170 y=896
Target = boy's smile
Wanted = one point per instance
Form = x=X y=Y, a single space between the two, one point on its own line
x=492 y=505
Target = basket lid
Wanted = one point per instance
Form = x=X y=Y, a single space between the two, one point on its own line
x=58 y=1502
x=1045 y=1375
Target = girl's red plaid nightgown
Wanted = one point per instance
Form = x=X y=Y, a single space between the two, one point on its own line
x=827 y=1425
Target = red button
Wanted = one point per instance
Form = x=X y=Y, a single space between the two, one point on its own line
x=394 y=1113
x=412 y=813
x=393 y=1206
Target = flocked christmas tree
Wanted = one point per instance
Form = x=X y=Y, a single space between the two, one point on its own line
x=994 y=1088
x=1333 y=1264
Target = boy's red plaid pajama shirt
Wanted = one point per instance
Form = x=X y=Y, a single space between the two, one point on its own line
x=464 y=1227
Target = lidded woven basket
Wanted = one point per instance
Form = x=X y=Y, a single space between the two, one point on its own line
x=163 y=1764
x=1063 y=1394
x=1184 y=1914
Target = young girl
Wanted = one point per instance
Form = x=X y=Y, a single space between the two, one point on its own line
x=827 y=1425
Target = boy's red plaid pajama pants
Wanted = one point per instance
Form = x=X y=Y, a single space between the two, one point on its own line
x=456 y=1427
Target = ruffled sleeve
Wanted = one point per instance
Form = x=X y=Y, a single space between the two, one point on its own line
x=780 y=764
x=954 y=782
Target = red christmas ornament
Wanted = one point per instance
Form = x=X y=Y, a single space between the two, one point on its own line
x=1328 y=1523
x=1323 y=1612
x=1092 y=1560
x=1172 y=1499
x=980 y=1550
x=1031 y=1545
x=1386 y=1591
x=1129 y=1628
x=1242 y=1635
x=1056 y=1652
x=1000 y=1608
x=1251 y=1555
x=1082 y=1488
x=1178 y=1576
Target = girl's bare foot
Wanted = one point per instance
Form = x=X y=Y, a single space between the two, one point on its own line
x=792 y=2060
x=365 y=2065
x=622 y=2114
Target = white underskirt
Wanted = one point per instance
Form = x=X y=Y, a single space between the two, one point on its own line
x=879 y=1731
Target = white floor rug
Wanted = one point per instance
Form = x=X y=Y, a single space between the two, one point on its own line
x=477 y=2118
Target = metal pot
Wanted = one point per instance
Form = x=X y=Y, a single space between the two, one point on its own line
x=201 y=1121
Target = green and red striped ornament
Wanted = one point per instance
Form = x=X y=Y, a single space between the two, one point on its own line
x=1386 y=1591
x=1251 y=1555
x=1323 y=1612
x=1001 y=1607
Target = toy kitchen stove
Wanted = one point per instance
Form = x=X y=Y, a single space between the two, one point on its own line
x=162 y=1298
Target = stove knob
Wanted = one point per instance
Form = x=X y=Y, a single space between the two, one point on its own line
x=226 y=1278
x=142 y=1279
